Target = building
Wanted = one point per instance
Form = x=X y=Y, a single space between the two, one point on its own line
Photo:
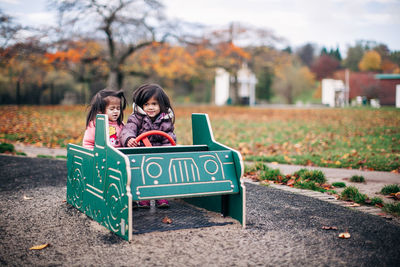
x=333 y=92
x=388 y=89
x=246 y=86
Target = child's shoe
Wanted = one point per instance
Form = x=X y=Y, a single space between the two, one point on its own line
x=162 y=204
x=144 y=204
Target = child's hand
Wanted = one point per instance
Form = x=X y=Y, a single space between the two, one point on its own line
x=132 y=143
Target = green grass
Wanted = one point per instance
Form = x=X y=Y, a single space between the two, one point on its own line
x=339 y=184
x=5 y=147
x=376 y=201
x=389 y=189
x=393 y=208
x=357 y=179
x=315 y=176
x=45 y=156
x=340 y=138
x=271 y=174
x=352 y=193
x=309 y=185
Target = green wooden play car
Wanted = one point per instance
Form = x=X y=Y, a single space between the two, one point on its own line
x=103 y=181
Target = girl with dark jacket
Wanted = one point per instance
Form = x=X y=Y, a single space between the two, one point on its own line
x=151 y=111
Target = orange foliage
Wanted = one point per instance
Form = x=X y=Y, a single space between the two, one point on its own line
x=73 y=55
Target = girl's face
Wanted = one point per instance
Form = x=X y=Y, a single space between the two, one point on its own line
x=113 y=108
x=152 y=108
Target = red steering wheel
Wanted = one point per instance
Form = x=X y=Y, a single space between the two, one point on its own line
x=146 y=142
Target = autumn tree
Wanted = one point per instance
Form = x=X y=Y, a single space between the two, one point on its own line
x=371 y=61
x=8 y=29
x=293 y=80
x=306 y=54
x=229 y=55
x=84 y=61
x=324 y=66
x=354 y=56
x=23 y=71
x=126 y=26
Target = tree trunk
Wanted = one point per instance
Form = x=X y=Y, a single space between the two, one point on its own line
x=234 y=90
x=18 y=92
x=289 y=94
x=112 y=82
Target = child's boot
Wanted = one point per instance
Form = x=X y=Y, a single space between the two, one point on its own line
x=144 y=204
x=162 y=203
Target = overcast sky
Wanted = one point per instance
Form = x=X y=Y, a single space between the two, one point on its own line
x=329 y=23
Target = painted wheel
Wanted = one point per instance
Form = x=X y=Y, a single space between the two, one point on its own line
x=146 y=141
x=77 y=186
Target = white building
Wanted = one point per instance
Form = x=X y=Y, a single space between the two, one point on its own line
x=333 y=92
x=247 y=86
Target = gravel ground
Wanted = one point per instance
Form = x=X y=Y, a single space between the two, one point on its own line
x=283 y=229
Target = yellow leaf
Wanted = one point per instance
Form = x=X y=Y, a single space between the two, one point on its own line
x=345 y=156
x=39 y=247
x=338 y=162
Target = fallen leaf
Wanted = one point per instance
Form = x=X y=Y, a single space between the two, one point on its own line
x=344 y=235
x=329 y=227
x=397 y=196
x=353 y=205
x=167 y=220
x=274 y=163
x=27 y=198
x=290 y=182
x=39 y=247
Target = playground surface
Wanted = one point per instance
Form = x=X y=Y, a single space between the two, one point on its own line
x=283 y=228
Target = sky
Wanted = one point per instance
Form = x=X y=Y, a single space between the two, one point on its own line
x=329 y=23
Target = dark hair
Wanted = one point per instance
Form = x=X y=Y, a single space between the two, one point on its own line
x=99 y=103
x=147 y=91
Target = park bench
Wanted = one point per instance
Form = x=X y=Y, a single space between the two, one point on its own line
x=102 y=182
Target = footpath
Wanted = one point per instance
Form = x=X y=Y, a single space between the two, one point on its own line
x=374 y=180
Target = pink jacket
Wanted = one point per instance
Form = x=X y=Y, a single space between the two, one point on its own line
x=115 y=130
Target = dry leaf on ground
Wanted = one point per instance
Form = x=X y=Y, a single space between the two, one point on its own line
x=329 y=227
x=344 y=235
x=167 y=220
x=27 y=198
x=39 y=247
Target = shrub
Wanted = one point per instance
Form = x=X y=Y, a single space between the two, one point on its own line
x=352 y=193
x=5 y=147
x=357 y=179
x=391 y=188
x=339 y=184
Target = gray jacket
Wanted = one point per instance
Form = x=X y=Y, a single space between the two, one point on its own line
x=139 y=123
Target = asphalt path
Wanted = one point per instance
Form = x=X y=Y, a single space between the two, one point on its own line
x=283 y=229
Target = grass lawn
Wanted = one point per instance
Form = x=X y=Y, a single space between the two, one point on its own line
x=342 y=138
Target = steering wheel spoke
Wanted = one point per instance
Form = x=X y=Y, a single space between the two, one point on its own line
x=144 y=137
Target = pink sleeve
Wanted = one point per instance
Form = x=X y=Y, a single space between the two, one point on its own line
x=88 y=138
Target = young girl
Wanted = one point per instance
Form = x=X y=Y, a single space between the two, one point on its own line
x=151 y=111
x=108 y=102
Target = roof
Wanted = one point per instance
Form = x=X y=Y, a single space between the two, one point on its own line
x=387 y=76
